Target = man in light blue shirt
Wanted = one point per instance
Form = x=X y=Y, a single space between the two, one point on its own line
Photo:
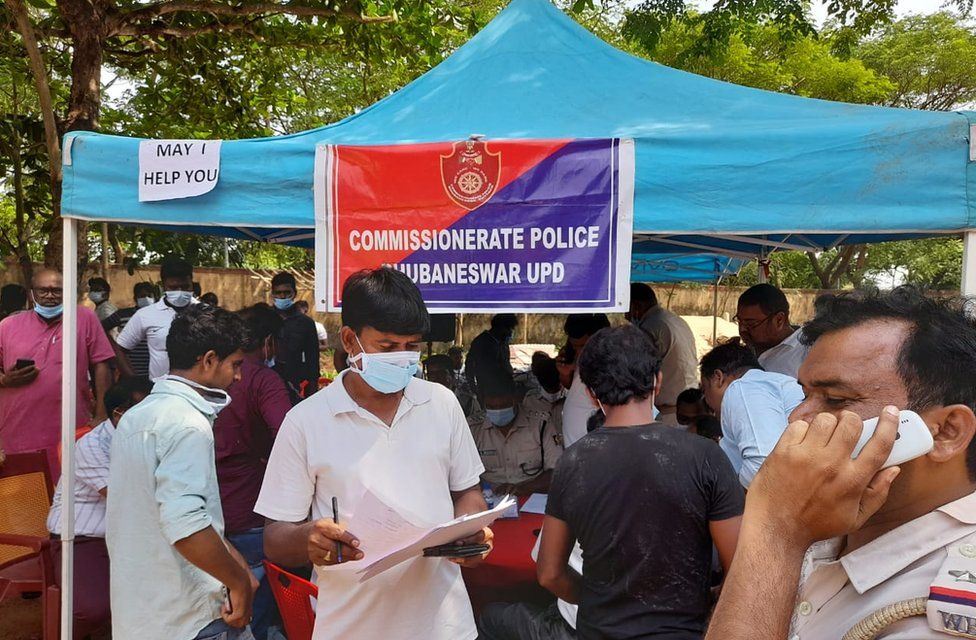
x=753 y=404
x=173 y=576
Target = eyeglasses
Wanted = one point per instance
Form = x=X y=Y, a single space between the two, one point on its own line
x=750 y=325
x=48 y=292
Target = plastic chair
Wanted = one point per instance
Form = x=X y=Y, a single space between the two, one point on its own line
x=26 y=561
x=294 y=596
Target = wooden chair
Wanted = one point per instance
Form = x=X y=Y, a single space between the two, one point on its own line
x=294 y=596
x=26 y=564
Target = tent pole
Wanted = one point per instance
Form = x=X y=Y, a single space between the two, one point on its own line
x=69 y=375
x=969 y=263
x=760 y=262
x=715 y=312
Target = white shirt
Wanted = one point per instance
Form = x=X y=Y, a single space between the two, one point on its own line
x=675 y=344
x=91 y=476
x=320 y=330
x=566 y=610
x=162 y=488
x=838 y=592
x=786 y=357
x=152 y=325
x=755 y=413
x=577 y=410
x=330 y=446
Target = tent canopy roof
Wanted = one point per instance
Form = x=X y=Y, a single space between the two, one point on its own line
x=714 y=160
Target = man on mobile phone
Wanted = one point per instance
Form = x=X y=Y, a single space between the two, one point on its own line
x=30 y=394
x=376 y=428
x=914 y=543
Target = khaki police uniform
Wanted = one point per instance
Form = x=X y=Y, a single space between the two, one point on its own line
x=531 y=446
x=906 y=564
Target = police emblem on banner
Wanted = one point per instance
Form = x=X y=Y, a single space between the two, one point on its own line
x=470 y=173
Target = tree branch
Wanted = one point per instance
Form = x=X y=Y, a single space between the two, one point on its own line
x=130 y=23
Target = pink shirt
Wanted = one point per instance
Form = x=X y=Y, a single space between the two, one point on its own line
x=32 y=413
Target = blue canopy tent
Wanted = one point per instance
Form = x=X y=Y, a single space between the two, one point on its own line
x=720 y=168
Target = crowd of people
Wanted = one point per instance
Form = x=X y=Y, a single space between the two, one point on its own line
x=206 y=447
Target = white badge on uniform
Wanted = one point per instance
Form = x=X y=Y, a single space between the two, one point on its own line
x=952 y=597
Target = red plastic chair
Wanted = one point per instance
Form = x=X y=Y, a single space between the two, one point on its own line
x=26 y=561
x=294 y=597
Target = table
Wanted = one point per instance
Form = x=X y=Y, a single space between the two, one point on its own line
x=508 y=575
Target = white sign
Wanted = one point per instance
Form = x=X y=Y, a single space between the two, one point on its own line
x=171 y=169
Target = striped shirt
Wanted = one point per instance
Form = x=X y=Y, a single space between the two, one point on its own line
x=139 y=354
x=91 y=476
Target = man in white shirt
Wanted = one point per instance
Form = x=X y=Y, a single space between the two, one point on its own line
x=91 y=598
x=173 y=574
x=753 y=405
x=578 y=407
x=906 y=534
x=380 y=429
x=763 y=315
x=151 y=324
x=675 y=344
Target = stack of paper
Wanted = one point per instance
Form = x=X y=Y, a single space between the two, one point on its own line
x=387 y=539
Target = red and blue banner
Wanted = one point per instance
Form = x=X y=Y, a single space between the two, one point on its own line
x=481 y=226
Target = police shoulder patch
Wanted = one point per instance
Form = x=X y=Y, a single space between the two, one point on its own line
x=952 y=596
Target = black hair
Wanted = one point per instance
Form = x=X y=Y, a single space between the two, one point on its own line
x=200 y=329
x=175 y=267
x=578 y=325
x=731 y=358
x=937 y=360
x=496 y=385
x=100 y=283
x=284 y=278
x=440 y=360
x=148 y=287
x=455 y=349
x=386 y=300
x=545 y=371
x=302 y=304
x=619 y=364
x=708 y=427
x=693 y=395
x=769 y=298
x=121 y=394
x=210 y=298
x=13 y=297
x=595 y=421
x=197 y=289
x=641 y=293
x=507 y=321
x=261 y=321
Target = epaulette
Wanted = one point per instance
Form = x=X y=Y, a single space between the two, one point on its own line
x=952 y=597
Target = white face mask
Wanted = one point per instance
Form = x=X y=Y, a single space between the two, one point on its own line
x=216 y=398
x=386 y=372
x=144 y=302
x=97 y=296
x=179 y=299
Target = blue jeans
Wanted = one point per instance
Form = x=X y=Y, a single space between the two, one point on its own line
x=250 y=544
x=220 y=630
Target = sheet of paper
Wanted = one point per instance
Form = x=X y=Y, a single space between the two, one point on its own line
x=172 y=169
x=536 y=503
x=456 y=529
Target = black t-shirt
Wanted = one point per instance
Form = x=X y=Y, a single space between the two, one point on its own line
x=639 y=500
x=297 y=354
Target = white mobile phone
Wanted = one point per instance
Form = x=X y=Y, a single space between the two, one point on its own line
x=913 y=440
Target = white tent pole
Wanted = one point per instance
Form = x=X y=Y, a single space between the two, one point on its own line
x=969 y=263
x=759 y=262
x=69 y=374
x=715 y=312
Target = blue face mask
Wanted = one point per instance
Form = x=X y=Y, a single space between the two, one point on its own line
x=48 y=312
x=500 y=417
x=283 y=304
x=144 y=302
x=179 y=299
x=386 y=372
